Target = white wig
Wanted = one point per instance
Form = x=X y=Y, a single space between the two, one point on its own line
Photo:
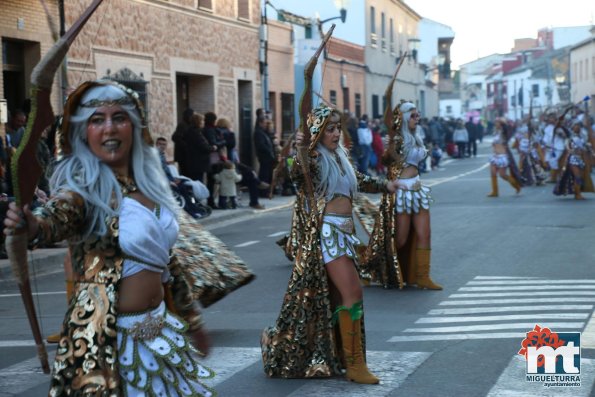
x=83 y=173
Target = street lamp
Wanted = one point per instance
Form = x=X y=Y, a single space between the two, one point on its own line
x=342 y=7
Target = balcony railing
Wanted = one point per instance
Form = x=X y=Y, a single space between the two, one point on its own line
x=373 y=39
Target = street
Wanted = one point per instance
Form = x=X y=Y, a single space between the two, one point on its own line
x=506 y=264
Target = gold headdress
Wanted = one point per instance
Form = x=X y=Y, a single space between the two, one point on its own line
x=317 y=121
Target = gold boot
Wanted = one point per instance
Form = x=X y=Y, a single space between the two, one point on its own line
x=577 y=191
x=423 y=269
x=514 y=183
x=494 y=186
x=350 y=325
x=55 y=338
x=553 y=176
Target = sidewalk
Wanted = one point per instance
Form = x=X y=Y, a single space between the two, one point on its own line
x=50 y=260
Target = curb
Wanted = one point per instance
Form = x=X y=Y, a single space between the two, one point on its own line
x=41 y=262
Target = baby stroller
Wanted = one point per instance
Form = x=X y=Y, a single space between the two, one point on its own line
x=189 y=194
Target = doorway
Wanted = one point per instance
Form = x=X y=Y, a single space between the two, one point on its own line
x=245 y=122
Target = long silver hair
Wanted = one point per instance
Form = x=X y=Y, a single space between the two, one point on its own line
x=83 y=173
x=330 y=171
x=410 y=138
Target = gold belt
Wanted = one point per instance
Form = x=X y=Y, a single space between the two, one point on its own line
x=148 y=329
x=347 y=226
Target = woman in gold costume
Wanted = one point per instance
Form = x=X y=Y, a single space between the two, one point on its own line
x=399 y=247
x=324 y=286
x=502 y=159
x=111 y=201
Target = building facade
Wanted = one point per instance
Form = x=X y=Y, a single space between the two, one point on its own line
x=391 y=30
x=25 y=37
x=582 y=71
x=345 y=76
x=177 y=54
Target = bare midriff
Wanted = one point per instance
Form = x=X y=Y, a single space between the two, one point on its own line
x=140 y=292
x=339 y=205
x=499 y=148
x=409 y=171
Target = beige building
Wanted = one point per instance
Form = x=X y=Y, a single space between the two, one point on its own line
x=345 y=76
x=281 y=76
x=178 y=53
x=582 y=71
x=25 y=36
x=391 y=30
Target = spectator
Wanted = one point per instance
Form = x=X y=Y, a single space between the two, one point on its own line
x=471 y=127
x=215 y=139
x=198 y=151
x=364 y=138
x=352 y=125
x=15 y=129
x=265 y=151
x=231 y=153
x=179 y=138
x=436 y=156
x=461 y=138
x=378 y=149
x=227 y=179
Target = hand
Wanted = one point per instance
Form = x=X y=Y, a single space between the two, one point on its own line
x=17 y=218
x=299 y=137
x=41 y=196
x=392 y=186
x=201 y=341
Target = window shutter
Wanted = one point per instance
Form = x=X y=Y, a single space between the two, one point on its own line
x=244 y=9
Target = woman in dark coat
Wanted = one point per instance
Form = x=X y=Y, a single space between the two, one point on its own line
x=198 y=150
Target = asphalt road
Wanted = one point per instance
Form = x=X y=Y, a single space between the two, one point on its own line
x=506 y=264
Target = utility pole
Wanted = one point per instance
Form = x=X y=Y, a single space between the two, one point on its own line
x=64 y=68
x=263 y=58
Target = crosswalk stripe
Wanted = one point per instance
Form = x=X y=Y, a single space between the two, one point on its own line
x=588 y=335
x=34 y=293
x=534 y=293
x=489 y=327
x=475 y=310
x=391 y=367
x=278 y=234
x=22 y=376
x=512 y=382
x=533 y=282
x=246 y=244
x=487 y=335
x=525 y=288
x=504 y=278
x=227 y=361
x=538 y=316
x=507 y=301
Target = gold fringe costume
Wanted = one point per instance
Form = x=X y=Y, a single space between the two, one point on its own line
x=304 y=341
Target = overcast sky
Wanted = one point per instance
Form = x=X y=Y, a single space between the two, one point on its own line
x=486 y=27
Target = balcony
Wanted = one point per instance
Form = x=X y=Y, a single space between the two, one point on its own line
x=373 y=39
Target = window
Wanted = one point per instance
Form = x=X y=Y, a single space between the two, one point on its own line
x=535 y=90
x=448 y=109
x=373 y=36
x=383 y=30
x=358 y=105
x=205 y=4
x=333 y=97
x=375 y=106
x=244 y=9
x=513 y=100
x=392 y=37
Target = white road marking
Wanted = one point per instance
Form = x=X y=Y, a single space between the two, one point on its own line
x=535 y=293
x=17 y=343
x=534 y=316
x=525 y=288
x=506 y=301
x=391 y=367
x=504 y=278
x=22 y=376
x=533 y=282
x=278 y=234
x=247 y=243
x=487 y=335
x=489 y=327
x=34 y=293
x=588 y=335
x=452 y=178
x=508 y=309
x=512 y=382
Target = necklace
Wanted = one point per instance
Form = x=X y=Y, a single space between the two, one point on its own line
x=127 y=184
